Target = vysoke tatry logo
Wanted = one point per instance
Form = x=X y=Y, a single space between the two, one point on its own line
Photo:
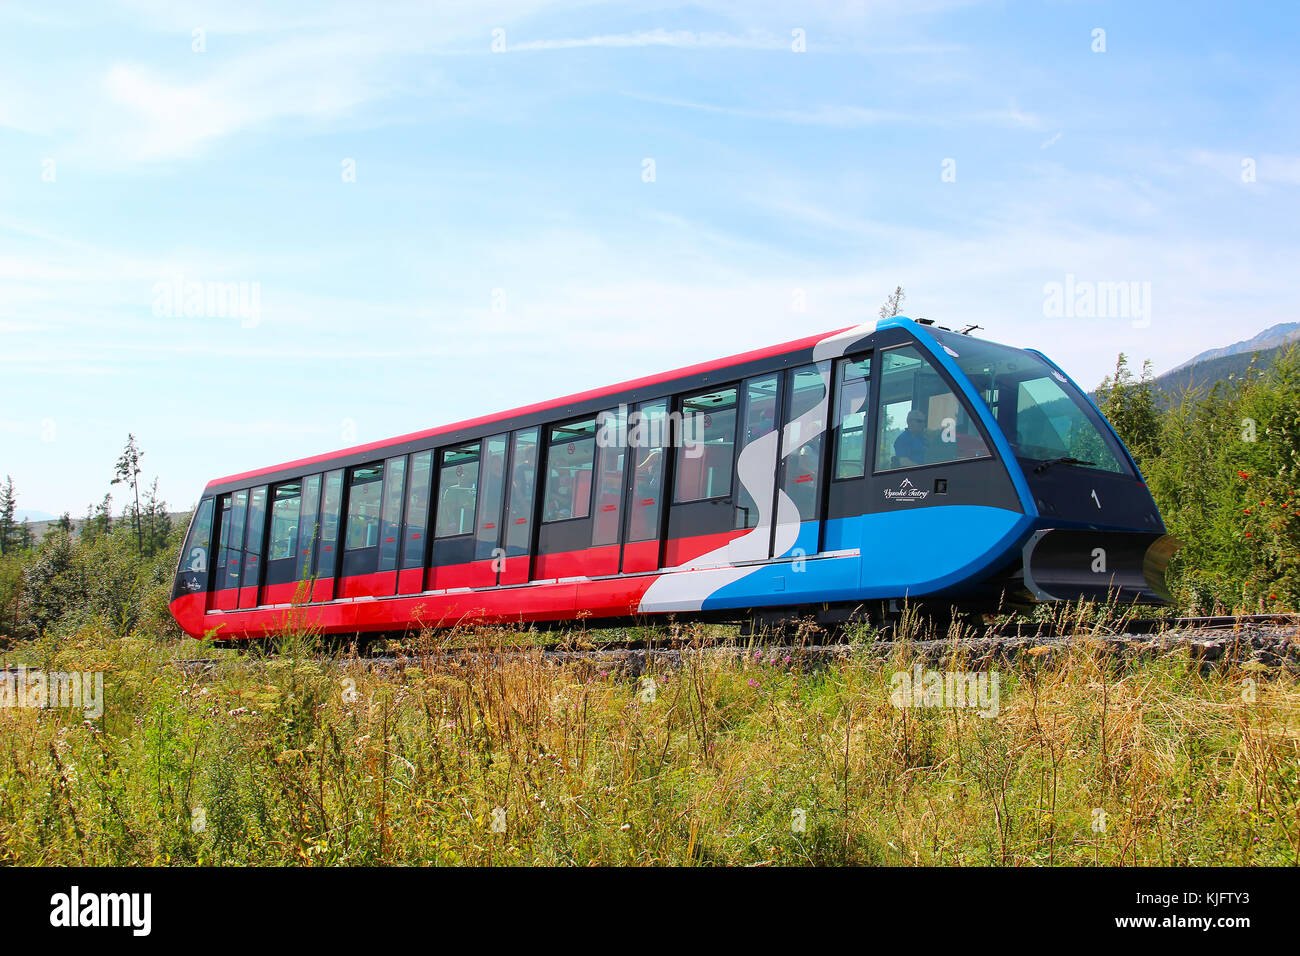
x=75 y=909
x=906 y=491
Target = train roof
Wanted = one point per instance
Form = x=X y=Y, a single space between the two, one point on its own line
x=702 y=368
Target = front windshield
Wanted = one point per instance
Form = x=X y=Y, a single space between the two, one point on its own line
x=1043 y=415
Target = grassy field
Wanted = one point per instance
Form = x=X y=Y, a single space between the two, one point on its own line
x=747 y=758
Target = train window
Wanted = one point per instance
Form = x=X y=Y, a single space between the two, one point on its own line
x=648 y=436
x=390 y=517
x=612 y=459
x=223 y=542
x=851 y=417
x=457 y=490
x=523 y=479
x=365 y=489
x=801 y=459
x=1042 y=414
x=232 y=538
x=920 y=421
x=569 y=459
x=758 y=418
x=286 y=502
x=417 y=510
x=256 y=525
x=707 y=445
x=308 y=528
x=194 y=556
x=331 y=507
x=493 y=479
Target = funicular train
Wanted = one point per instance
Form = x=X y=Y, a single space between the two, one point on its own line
x=829 y=476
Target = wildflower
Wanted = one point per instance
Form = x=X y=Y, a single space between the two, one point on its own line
x=752 y=682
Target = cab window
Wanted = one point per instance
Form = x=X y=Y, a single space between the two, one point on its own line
x=920 y=420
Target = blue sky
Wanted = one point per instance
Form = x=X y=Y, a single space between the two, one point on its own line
x=501 y=242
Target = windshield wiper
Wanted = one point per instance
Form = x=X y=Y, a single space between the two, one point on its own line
x=1064 y=460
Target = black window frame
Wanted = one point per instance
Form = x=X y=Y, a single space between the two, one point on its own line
x=877 y=394
x=819 y=482
x=334 y=542
x=437 y=489
x=591 y=485
x=679 y=404
x=305 y=548
x=365 y=559
x=274 y=569
x=420 y=560
x=868 y=449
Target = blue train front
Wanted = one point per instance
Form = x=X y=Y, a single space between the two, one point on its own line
x=963 y=473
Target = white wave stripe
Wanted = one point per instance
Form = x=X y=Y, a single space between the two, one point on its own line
x=686 y=589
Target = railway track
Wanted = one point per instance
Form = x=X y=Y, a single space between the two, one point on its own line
x=634 y=654
x=1267 y=633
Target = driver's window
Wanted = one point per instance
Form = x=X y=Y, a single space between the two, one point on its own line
x=921 y=420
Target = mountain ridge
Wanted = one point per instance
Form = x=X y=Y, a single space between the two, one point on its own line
x=1271 y=338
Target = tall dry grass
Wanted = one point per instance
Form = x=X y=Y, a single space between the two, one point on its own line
x=750 y=757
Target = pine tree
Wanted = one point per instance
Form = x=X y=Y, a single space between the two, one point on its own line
x=894 y=304
x=8 y=526
x=127 y=472
x=99 y=520
x=62 y=526
x=158 y=523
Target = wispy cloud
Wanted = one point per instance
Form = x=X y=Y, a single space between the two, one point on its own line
x=681 y=39
x=846 y=116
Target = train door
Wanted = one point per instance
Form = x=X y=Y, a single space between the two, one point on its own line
x=232 y=511
x=365 y=494
x=325 y=584
x=797 y=528
x=390 y=527
x=254 y=546
x=415 y=533
x=489 y=523
x=612 y=455
x=701 y=513
x=565 y=531
x=847 y=489
x=308 y=535
x=455 y=515
x=281 y=576
x=517 y=544
x=756 y=463
x=643 y=506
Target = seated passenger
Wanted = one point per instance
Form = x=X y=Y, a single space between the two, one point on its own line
x=910 y=447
